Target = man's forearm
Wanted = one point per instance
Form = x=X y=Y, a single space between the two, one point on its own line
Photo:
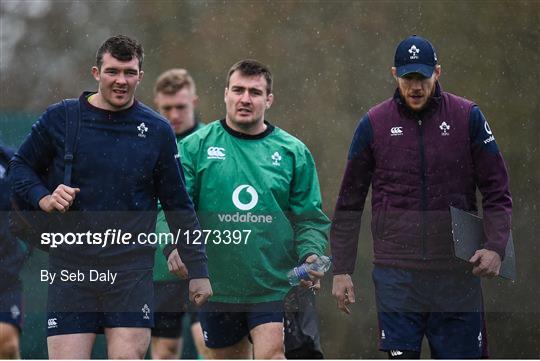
x=348 y=214
x=25 y=182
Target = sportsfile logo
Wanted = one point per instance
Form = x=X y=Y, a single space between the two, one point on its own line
x=216 y=153
x=395 y=131
x=245 y=198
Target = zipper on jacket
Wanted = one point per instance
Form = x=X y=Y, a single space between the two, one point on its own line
x=423 y=192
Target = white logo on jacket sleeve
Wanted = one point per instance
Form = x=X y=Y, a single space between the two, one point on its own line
x=2 y=172
x=394 y=131
x=445 y=128
x=414 y=52
x=143 y=129
x=216 y=153
x=245 y=206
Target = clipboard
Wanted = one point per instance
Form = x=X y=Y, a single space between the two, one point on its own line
x=468 y=235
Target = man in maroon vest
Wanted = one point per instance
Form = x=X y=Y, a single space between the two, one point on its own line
x=422 y=151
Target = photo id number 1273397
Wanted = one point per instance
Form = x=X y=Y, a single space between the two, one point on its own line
x=207 y=236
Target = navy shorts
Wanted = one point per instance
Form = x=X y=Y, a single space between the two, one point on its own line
x=85 y=306
x=171 y=302
x=225 y=324
x=445 y=306
x=11 y=308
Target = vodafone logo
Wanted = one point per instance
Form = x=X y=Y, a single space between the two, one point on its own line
x=245 y=206
x=491 y=138
x=487 y=128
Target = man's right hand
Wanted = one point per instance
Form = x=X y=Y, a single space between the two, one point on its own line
x=176 y=266
x=199 y=290
x=60 y=200
x=343 y=291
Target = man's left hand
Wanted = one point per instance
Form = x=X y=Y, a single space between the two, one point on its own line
x=486 y=263
x=199 y=290
x=315 y=282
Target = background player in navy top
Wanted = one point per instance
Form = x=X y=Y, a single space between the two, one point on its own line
x=422 y=151
x=125 y=159
x=175 y=96
x=12 y=256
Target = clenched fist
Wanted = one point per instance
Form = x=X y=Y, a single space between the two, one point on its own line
x=60 y=200
x=199 y=290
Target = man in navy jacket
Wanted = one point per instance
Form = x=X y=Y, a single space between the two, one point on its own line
x=125 y=160
x=422 y=151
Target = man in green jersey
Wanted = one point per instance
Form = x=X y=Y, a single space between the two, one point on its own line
x=175 y=98
x=256 y=192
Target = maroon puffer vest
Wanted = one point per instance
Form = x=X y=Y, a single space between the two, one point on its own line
x=423 y=164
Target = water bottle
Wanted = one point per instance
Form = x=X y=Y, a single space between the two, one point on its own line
x=322 y=264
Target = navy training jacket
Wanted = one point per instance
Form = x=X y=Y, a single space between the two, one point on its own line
x=124 y=161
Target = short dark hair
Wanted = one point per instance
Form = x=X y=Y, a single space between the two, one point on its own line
x=173 y=80
x=122 y=48
x=251 y=67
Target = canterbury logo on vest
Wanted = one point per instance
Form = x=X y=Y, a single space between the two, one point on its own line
x=245 y=206
x=394 y=131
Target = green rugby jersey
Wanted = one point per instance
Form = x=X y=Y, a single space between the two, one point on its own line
x=261 y=192
x=161 y=270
